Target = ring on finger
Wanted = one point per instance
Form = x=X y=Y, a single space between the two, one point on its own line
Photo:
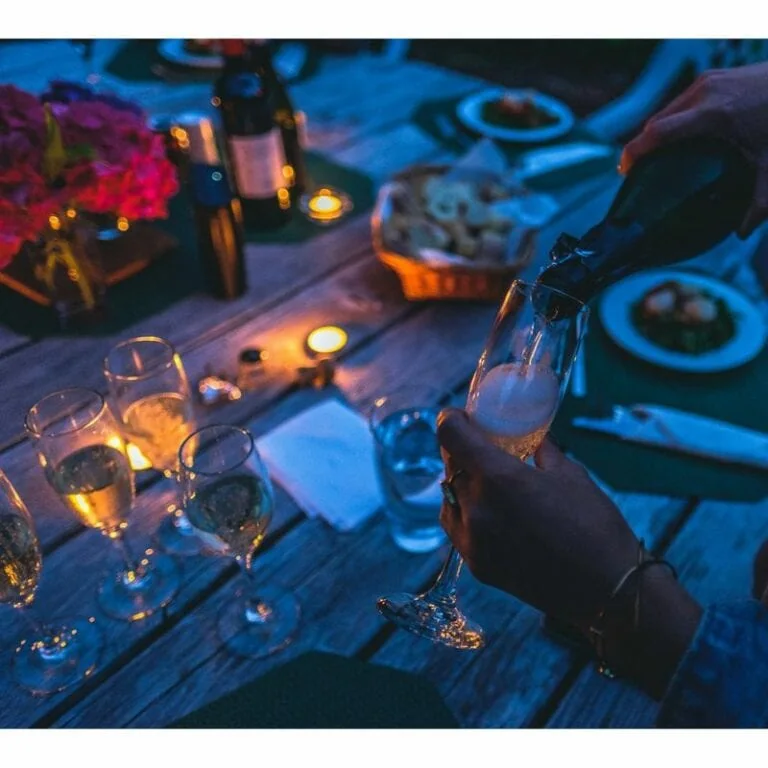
x=449 y=492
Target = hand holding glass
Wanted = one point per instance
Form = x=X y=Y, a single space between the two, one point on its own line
x=519 y=381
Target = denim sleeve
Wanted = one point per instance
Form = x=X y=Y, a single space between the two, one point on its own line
x=722 y=680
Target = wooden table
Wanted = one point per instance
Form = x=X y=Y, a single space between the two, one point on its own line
x=157 y=670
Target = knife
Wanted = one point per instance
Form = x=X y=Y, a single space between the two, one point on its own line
x=683 y=432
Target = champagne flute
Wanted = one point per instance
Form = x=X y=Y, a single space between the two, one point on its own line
x=54 y=657
x=520 y=379
x=84 y=458
x=229 y=500
x=150 y=391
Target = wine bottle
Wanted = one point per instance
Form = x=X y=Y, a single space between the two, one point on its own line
x=284 y=115
x=676 y=203
x=254 y=141
x=218 y=214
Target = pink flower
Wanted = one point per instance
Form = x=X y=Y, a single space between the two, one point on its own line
x=112 y=163
x=25 y=204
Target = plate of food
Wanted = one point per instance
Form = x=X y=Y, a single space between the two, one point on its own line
x=515 y=115
x=684 y=321
x=198 y=54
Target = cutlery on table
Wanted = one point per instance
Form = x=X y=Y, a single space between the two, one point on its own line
x=683 y=432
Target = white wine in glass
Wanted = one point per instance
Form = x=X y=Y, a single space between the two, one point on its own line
x=53 y=658
x=151 y=393
x=84 y=458
x=518 y=384
x=514 y=405
x=229 y=500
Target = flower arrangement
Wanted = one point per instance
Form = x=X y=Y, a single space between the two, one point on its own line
x=72 y=150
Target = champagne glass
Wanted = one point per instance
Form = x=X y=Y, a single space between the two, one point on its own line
x=84 y=458
x=519 y=381
x=150 y=391
x=229 y=500
x=53 y=658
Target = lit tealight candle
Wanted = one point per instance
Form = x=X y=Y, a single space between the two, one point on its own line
x=325 y=205
x=327 y=340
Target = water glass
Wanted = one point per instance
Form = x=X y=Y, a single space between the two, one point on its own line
x=404 y=427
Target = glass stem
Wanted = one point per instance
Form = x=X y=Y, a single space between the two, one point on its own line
x=176 y=508
x=39 y=630
x=256 y=610
x=444 y=589
x=46 y=641
x=134 y=572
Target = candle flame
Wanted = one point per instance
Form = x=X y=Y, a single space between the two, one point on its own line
x=327 y=339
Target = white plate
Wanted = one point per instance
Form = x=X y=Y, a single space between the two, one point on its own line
x=747 y=342
x=174 y=51
x=470 y=113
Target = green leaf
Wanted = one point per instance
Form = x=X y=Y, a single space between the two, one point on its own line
x=55 y=157
x=80 y=152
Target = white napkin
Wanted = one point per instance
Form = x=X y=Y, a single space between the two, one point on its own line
x=325 y=458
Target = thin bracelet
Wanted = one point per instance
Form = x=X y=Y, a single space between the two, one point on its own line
x=596 y=629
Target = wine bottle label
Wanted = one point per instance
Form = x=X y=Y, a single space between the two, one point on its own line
x=258 y=164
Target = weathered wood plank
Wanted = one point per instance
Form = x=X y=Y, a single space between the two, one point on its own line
x=364 y=297
x=713 y=553
x=337 y=584
x=347 y=571
x=509 y=681
x=72 y=573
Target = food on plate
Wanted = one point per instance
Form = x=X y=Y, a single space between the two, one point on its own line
x=511 y=111
x=433 y=211
x=683 y=318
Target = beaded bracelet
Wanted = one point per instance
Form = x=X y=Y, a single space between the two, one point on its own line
x=596 y=629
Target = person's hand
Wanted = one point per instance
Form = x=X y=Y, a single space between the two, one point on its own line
x=545 y=534
x=730 y=104
x=548 y=535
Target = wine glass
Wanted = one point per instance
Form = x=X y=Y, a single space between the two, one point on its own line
x=53 y=658
x=519 y=381
x=229 y=500
x=151 y=394
x=84 y=458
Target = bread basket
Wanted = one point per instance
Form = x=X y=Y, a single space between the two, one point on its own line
x=421 y=279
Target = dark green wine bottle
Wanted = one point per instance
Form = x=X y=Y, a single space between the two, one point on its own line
x=676 y=203
x=253 y=140
x=284 y=115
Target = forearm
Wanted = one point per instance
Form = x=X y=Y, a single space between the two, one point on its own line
x=650 y=652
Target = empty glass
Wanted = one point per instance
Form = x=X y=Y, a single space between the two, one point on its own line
x=52 y=658
x=409 y=465
x=83 y=455
x=228 y=498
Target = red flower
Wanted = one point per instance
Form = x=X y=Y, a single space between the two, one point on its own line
x=25 y=204
x=111 y=163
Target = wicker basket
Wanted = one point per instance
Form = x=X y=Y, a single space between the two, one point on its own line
x=421 y=280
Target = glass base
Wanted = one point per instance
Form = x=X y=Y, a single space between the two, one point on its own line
x=44 y=669
x=438 y=620
x=133 y=601
x=267 y=627
x=177 y=537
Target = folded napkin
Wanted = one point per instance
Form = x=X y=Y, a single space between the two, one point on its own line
x=325 y=458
